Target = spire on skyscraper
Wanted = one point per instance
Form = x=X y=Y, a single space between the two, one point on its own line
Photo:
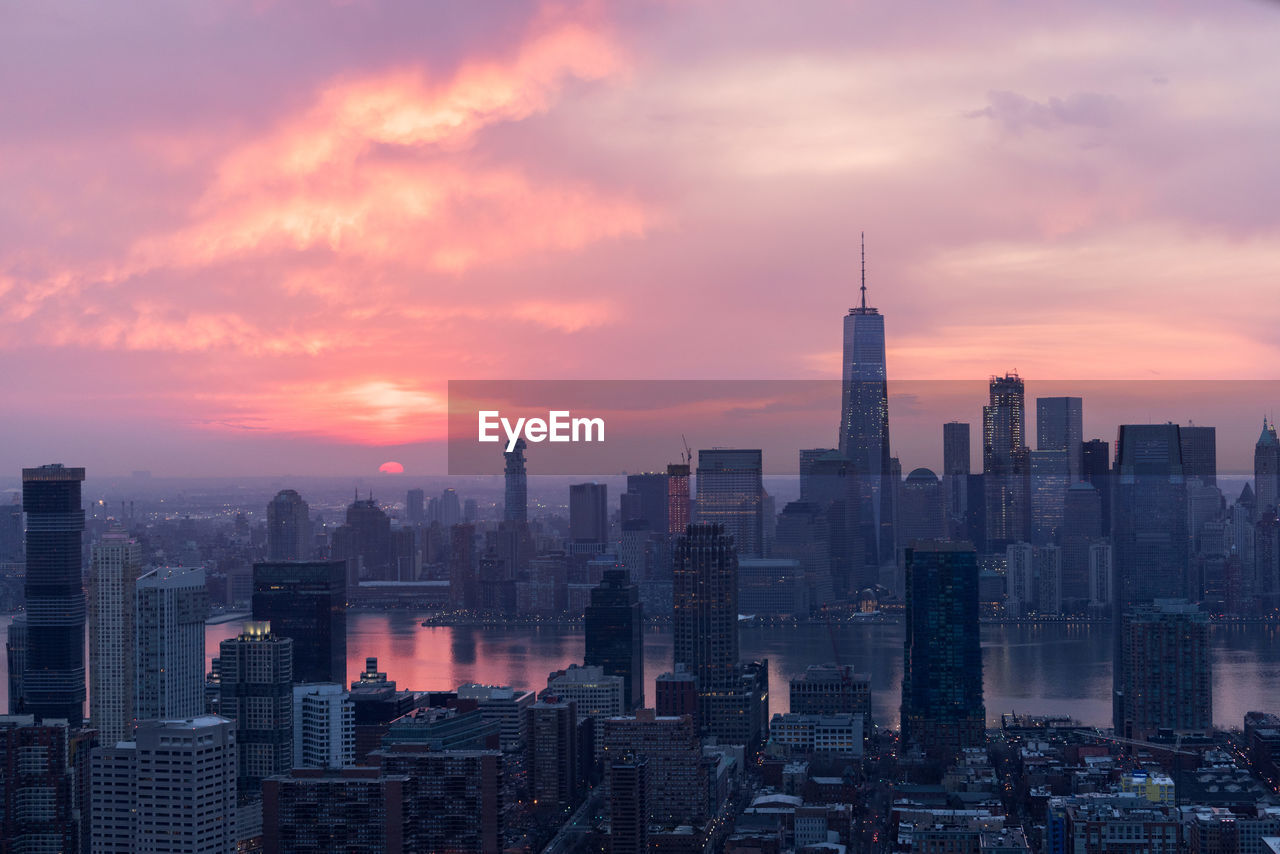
x=864 y=270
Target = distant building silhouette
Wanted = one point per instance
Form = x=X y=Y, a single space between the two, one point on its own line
x=1060 y=427
x=1200 y=453
x=731 y=494
x=288 y=527
x=1005 y=463
x=589 y=513
x=516 y=493
x=956 y=469
x=365 y=542
x=1266 y=468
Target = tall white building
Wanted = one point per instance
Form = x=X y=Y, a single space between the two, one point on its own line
x=172 y=789
x=169 y=663
x=116 y=564
x=324 y=726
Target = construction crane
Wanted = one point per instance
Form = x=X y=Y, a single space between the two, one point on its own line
x=687 y=455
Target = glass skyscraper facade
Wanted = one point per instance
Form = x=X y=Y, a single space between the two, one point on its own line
x=306 y=601
x=53 y=683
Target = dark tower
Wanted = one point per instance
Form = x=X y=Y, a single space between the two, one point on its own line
x=53 y=683
x=942 y=707
x=614 y=629
x=705 y=599
x=516 y=499
x=306 y=601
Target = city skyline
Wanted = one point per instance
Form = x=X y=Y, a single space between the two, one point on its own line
x=221 y=320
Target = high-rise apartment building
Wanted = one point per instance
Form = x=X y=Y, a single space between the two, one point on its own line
x=942 y=706
x=673 y=751
x=170 y=789
x=324 y=726
x=678 y=507
x=614 y=627
x=1005 y=463
x=306 y=601
x=731 y=494
x=37 y=786
x=288 y=527
x=831 y=689
x=415 y=507
x=15 y=654
x=53 y=683
x=169 y=664
x=113 y=574
x=456 y=800
x=628 y=799
x=1168 y=679
x=337 y=810
x=864 y=424
x=256 y=694
x=551 y=754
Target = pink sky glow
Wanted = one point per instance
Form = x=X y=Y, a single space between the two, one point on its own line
x=260 y=237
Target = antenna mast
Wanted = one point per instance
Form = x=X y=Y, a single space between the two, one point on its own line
x=864 y=270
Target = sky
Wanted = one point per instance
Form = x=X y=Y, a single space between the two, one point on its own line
x=260 y=237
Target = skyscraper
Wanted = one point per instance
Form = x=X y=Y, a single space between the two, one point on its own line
x=11 y=550
x=956 y=469
x=551 y=754
x=306 y=601
x=415 y=507
x=1096 y=469
x=651 y=497
x=864 y=423
x=614 y=633
x=365 y=541
x=172 y=789
x=677 y=498
x=516 y=494
x=169 y=665
x=589 y=513
x=1150 y=543
x=15 y=653
x=1081 y=528
x=628 y=802
x=54 y=681
x=731 y=494
x=324 y=726
x=1168 y=682
x=1266 y=470
x=942 y=707
x=1049 y=478
x=37 y=800
x=1200 y=453
x=113 y=574
x=1060 y=427
x=705 y=590
x=1005 y=461
x=256 y=685
x=288 y=527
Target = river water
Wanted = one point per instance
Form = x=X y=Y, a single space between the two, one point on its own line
x=1039 y=668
